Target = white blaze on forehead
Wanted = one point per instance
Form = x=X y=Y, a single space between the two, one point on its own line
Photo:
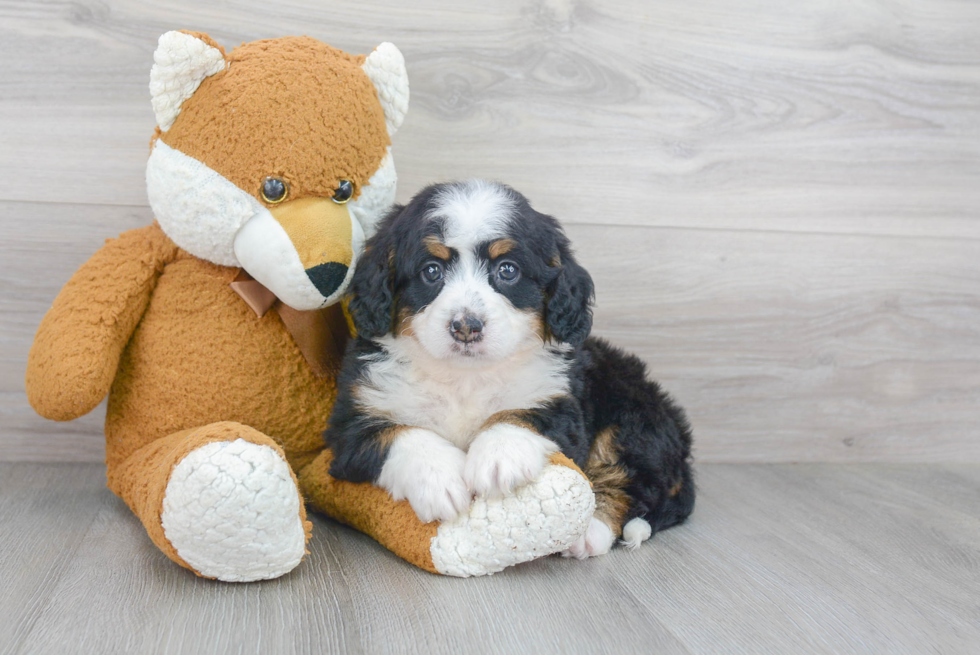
x=472 y=213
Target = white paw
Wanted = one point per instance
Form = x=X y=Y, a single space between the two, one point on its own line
x=597 y=540
x=428 y=471
x=232 y=511
x=505 y=457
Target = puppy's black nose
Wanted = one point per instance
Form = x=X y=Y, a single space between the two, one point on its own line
x=466 y=329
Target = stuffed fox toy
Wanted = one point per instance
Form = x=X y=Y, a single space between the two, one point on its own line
x=216 y=331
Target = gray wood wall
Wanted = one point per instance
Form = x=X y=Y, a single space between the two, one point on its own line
x=779 y=201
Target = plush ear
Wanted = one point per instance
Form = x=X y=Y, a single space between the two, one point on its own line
x=372 y=290
x=386 y=68
x=568 y=313
x=181 y=62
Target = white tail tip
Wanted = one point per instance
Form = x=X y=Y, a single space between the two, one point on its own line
x=635 y=532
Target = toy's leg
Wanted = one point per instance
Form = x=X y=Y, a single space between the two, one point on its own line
x=219 y=499
x=539 y=519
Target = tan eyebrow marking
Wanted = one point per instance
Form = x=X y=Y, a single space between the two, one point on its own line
x=436 y=247
x=501 y=247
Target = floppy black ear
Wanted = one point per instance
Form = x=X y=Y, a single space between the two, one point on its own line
x=372 y=289
x=568 y=313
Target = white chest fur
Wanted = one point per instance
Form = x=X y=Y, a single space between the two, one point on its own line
x=410 y=388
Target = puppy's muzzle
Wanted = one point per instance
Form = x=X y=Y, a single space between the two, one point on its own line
x=466 y=328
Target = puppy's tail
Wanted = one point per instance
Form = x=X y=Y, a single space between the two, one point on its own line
x=635 y=532
x=674 y=510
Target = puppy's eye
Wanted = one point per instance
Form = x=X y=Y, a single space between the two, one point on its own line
x=432 y=273
x=344 y=192
x=508 y=271
x=274 y=190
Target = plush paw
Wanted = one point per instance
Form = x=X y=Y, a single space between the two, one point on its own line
x=232 y=512
x=505 y=457
x=541 y=518
x=597 y=540
x=427 y=470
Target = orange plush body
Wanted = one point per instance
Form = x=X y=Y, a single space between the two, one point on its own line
x=220 y=385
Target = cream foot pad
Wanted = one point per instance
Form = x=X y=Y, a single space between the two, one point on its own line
x=232 y=511
x=544 y=517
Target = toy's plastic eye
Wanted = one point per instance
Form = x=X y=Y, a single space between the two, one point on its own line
x=274 y=190
x=508 y=271
x=432 y=272
x=343 y=192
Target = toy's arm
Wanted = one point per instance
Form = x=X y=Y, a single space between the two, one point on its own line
x=78 y=345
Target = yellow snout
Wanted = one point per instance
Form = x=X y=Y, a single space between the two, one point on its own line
x=322 y=234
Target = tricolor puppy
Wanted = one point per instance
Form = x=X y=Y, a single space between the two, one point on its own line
x=473 y=363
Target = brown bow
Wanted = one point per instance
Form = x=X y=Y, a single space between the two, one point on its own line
x=320 y=334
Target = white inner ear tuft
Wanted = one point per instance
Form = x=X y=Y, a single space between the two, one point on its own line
x=386 y=68
x=180 y=64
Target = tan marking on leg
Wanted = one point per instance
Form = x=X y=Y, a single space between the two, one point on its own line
x=676 y=489
x=609 y=481
x=501 y=247
x=387 y=436
x=516 y=417
x=436 y=248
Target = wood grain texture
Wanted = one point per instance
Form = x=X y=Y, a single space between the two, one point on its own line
x=41 y=246
x=45 y=514
x=778 y=203
x=783 y=346
x=862 y=119
x=775 y=559
x=792 y=347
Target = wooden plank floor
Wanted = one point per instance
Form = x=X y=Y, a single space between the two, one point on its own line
x=776 y=559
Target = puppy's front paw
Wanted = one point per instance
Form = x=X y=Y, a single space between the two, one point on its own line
x=503 y=457
x=427 y=470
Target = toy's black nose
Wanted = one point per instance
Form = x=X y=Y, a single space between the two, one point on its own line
x=327 y=278
x=466 y=328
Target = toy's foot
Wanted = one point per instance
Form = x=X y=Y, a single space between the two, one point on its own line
x=543 y=517
x=597 y=540
x=232 y=512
